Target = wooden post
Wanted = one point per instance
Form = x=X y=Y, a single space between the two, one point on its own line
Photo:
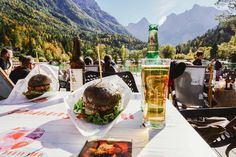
x=99 y=61
x=210 y=84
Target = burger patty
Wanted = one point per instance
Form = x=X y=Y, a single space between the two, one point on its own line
x=39 y=88
x=101 y=109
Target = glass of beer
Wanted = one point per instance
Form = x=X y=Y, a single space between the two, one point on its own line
x=155 y=77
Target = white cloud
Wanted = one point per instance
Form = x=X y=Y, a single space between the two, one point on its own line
x=162 y=20
x=161 y=9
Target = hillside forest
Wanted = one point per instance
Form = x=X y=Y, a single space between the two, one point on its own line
x=32 y=31
x=217 y=43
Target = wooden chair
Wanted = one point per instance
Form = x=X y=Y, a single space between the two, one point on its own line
x=188 y=90
x=92 y=68
x=6 y=85
x=126 y=76
x=64 y=84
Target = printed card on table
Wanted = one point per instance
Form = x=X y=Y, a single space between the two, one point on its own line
x=108 y=148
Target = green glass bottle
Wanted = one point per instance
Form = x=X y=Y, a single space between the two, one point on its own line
x=153 y=47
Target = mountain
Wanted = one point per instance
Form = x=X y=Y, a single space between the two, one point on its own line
x=139 y=29
x=188 y=25
x=179 y=28
x=107 y=21
x=83 y=13
x=219 y=42
x=46 y=28
x=222 y=34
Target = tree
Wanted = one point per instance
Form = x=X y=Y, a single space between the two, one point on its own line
x=167 y=51
x=231 y=8
x=39 y=51
x=115 y=54
x=179 y=56
x=214 y=51
x=231 y=4
x=102 y=50
x=48 y=55
x=178 y=49
x=31 y=31
x=32 y=46
x=135 y=55
x=226 y=49
x=233 y=57
x=206 y=51
x=6 y=40
x=190 y=55
x=123 y=54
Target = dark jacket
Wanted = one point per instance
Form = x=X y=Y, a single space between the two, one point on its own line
x=109 y=68
x=197 y=62
x=218 y=65
x=3 y=64
x=19 y=73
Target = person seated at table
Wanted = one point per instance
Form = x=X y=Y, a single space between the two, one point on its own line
x=176 y=69
x=102 y=64
x=199 y=57
x=6 y=60
x=88 y=61
x=108 y=67
x=20 y=72
x=218 y=67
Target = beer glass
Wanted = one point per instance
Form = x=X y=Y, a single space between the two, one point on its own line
x=155 y=77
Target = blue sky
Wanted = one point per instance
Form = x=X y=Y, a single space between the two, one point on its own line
x=128 y=11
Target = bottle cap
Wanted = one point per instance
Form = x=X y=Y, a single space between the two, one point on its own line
x=153 y=27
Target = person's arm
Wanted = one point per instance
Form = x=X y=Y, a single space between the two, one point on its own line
x=2 y=65
x=113 y=69
x=10 y=68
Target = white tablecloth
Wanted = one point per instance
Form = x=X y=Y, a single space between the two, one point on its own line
x=61 y=139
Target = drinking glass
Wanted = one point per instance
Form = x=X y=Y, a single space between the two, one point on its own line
x=155 y=77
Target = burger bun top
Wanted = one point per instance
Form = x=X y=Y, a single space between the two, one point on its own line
x=39 y=80
x=102 y=94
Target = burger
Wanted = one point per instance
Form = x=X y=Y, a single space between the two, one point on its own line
x=37 y=86
x=100 y=104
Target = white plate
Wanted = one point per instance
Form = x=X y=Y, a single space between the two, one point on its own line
x=90 y=129
x=45 y=95
x=17 y=97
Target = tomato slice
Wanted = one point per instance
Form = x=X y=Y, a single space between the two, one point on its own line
x=20 y=144
x=17 y=135
x=81 y=116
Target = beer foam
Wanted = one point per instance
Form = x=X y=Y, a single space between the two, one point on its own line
x=155 y=66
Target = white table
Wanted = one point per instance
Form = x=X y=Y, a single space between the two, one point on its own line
x=61 y=139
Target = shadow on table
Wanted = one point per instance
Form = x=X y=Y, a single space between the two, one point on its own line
x=62 y=134
x=31 y=106
x=137 y=124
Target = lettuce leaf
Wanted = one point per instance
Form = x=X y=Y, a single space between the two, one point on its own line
x=97 y=118
x=79 y=107
x=35 y=92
